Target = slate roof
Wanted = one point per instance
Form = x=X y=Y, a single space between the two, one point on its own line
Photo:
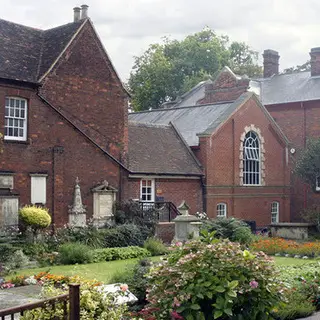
x=159 y=149
x=285 y=88
x=27 y=53
x=190 y=121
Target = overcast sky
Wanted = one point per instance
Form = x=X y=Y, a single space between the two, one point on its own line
x=127 y=27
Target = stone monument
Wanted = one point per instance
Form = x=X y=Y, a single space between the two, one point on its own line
x=77 y=211
x=186 y=226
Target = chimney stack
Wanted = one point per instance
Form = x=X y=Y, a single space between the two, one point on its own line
x=84 y=11
x=76 y=14
x=315 y=61
x=270 y=63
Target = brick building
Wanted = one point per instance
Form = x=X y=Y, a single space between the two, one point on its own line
x=243 y=152
x=65 y=126
x=66 y=133
x=293 y=100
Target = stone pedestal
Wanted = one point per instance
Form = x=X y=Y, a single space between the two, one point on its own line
x=186 y=226
x=77 y=220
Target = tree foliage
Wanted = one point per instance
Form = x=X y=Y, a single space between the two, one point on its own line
x=168 y=69
x=299 y=68
x=308 y=164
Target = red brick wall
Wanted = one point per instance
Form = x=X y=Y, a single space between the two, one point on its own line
x=79 y=158
x=223 y=169
x=85 y=87
x=299 y=121
x=226 y=87
x=172 y=190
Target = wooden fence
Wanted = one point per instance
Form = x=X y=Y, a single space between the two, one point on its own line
x=73 y=298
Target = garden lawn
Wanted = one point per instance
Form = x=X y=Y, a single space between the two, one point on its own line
x=283 y=262
x=104 y=271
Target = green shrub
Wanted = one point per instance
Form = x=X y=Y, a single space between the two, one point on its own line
x=125 y=235
x=304 y=280
x=94 y=305
x=296 y=307
x=109 y=254
x=155 y=246
x=217 y=280
x=6 y=251
x=135 y=278
x=35 y=249
x=72 y=253
x=233 y=229
x=35 y=217
x=127 y=212
x=17 y=260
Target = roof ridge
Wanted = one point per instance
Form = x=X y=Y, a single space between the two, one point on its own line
x=22 y=25
x=40 y=56
x=184 y=142
x=148 y=124
x=185 y=107
x=66 y=24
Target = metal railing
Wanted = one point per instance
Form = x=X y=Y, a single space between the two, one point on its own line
x=73 y=297
x=165 y=211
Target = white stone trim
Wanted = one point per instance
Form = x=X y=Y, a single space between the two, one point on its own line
x=256 y=130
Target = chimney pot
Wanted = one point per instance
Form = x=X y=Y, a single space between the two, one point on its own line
x=270 y=63
x=84 y=11
x=315 y=61
x=76 y=14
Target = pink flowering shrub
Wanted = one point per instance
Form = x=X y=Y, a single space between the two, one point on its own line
x=214 y=280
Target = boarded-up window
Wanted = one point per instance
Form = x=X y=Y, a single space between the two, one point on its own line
x=38 y=189
x=8 y=212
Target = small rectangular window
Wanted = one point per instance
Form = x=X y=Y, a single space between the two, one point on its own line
x=39 y=189
x=275 y=212
x=147 y=190
x=15 y=119
x=221 y=210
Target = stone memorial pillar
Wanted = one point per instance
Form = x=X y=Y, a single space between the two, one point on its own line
x=77 y=211
x=186 y=226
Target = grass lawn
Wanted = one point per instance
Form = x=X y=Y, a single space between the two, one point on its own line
x=103 y=271
x=282 y=261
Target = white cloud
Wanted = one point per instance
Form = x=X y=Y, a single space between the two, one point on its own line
x=127 y=27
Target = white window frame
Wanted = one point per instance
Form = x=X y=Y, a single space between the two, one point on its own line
x=275 y=209
x=251 y=159
x=221 y=210
x=152 y=193
x=318 y=183
x=38 y=181
x=16 y=118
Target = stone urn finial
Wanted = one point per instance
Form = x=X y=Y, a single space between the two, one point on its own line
x=186 y=226
x=77 y=207
x=184 y=208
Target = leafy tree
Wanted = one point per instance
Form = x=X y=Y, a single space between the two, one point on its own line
x=299 y=68
x=173 y=67
x=308 y=164
x=244 y=59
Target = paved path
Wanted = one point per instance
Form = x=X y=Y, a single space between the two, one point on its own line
x=18 y=296
x=316 y=316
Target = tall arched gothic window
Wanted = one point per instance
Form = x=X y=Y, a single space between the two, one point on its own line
x=251 y=159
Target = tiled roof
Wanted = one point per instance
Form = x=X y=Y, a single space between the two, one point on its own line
x=285 y=88
x=190 y=121
x=158 y=149
x=27 y=53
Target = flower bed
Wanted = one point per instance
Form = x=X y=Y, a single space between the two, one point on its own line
x=46 y=278
x=281 y=246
